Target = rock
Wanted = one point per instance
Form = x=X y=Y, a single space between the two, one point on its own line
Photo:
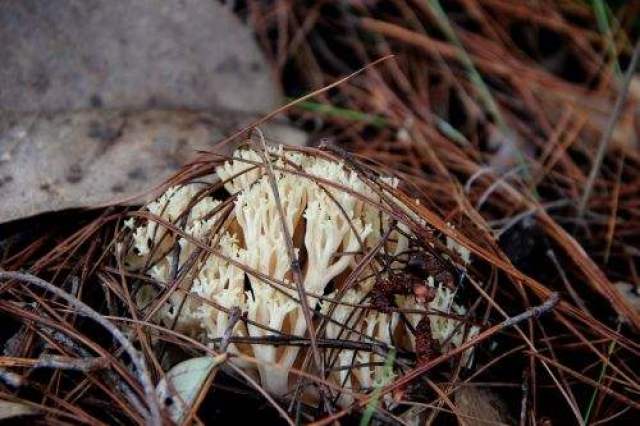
x=99 y=99
x=67 y=55
x=50 y=162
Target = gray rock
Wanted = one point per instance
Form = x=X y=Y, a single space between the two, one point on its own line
x=99 y=99
x=50 y=162
x=70 y=54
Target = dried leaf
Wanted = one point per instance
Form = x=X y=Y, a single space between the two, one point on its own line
x=182 y=384
x=10 y=409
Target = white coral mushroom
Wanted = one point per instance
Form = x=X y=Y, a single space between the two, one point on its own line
x=330 y=228
x=364 y=324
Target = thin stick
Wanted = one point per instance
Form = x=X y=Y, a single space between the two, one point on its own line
x=56 y=361
x=234 y=317
x=606 y=135
x=533 y=312
x=524 y=399
x=342 y=344
x=293 y=260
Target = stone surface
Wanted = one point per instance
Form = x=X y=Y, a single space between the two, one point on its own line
x=69 y=54
x=99 y=99
x=50 y=162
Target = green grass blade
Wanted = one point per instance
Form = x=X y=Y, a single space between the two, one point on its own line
x=602 y=13
x=387 y=376
x=343 y=113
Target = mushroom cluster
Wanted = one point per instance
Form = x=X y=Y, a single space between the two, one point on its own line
x=215 y=256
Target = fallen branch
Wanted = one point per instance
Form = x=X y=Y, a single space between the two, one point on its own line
x=56 y=361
